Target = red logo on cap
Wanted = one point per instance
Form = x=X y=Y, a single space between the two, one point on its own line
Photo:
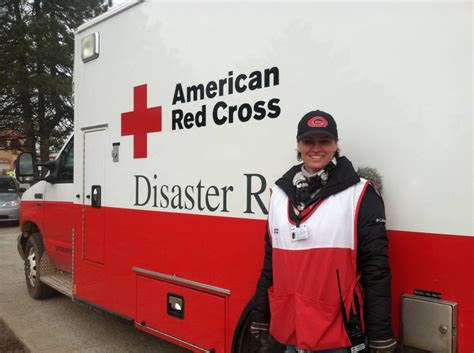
x=318 y=121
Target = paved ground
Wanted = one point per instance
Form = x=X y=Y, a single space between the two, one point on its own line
x=8 y=341
x=57 y=325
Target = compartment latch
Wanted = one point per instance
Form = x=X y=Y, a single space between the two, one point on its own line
x=176 y=305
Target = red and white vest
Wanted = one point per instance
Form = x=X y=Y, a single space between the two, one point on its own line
x=304 y=299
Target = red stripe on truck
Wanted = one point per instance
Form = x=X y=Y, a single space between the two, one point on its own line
x=228 y=253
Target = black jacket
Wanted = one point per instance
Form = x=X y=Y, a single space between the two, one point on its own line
x=372 y=251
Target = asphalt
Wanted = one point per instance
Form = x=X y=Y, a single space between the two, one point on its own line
x=8 y=341
x=57 y=325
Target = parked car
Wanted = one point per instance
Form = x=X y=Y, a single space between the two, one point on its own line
x=10 y=199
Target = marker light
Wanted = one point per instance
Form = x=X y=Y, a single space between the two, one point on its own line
x=90 y=47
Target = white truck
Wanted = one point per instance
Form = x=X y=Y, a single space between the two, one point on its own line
x=186 y=114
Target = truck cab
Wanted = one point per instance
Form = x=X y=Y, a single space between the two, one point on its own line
x=47 y=211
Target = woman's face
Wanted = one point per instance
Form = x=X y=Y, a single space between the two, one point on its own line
x=316 y=150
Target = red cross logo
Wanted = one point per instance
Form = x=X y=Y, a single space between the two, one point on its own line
x=141 y=121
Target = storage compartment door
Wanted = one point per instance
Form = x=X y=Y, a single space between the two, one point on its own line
x=429 y=325
x=201 y=320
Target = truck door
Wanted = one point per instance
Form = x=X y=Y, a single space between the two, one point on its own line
x=94 y=192
x=58 y=211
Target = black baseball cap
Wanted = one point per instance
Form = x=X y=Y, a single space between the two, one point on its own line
x=317 y=122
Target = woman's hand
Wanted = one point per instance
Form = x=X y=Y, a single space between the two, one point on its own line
x=260 y=331
x=384 y=346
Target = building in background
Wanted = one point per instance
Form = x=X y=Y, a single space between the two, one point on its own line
x=11 y=145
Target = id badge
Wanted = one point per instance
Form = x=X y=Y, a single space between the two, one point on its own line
x=299 y=233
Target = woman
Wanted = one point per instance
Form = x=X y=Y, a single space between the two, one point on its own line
x=326 y=245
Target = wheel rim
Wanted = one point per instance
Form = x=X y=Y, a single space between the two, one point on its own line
x=31 y=266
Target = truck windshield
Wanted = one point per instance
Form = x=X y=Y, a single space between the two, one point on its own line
x=7 y=185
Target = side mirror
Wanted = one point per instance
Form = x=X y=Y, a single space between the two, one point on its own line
x=26 y=170
x=22 y=190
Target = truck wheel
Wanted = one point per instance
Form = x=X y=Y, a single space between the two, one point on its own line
x=34 y=250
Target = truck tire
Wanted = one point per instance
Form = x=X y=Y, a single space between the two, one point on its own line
x=34 y=249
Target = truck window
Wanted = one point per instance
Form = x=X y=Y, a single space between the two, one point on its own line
x=66 y=165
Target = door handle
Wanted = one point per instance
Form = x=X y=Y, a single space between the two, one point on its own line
x=96 y=196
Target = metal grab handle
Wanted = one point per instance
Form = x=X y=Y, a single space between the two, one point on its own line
x=96 y=196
